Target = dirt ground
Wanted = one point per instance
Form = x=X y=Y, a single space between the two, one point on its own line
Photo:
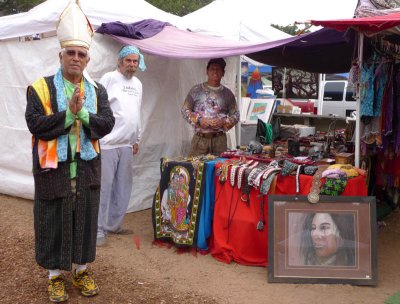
x=132 y=270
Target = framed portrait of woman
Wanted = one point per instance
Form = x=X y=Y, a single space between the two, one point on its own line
x=333 y=241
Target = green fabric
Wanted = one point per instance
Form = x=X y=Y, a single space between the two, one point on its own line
x=69 y=119
x=83 y=116
x=268 y=135
x=334 y=186
x=394 y=299
x=69 y=90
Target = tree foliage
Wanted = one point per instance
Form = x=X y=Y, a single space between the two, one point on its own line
x=179 y=7
x=300 y=84
x=291 y=29
x=9 y=7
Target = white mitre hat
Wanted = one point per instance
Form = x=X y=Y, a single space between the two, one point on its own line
x=74 y=28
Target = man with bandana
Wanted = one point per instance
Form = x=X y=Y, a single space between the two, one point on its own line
x=67 y=113
x=118 y=148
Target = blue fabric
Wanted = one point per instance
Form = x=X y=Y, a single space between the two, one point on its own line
x=86 y=149
x=381 y=78
x=367 y=96
x=128 y=50
x=207 y=210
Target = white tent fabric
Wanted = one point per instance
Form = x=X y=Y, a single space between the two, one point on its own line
x=43 y=18
x=166 y=83
x=235 y=20
x=251 y=19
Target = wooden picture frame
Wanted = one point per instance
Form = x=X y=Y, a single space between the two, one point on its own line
x=260 y=109
x=331 y=242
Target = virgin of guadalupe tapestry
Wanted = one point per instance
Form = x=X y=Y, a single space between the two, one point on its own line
x=177 y=202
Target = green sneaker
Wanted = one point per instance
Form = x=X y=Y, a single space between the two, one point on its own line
x=56 y=289
x=86 y=283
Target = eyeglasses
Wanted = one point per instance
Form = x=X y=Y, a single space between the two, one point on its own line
x=72 y=53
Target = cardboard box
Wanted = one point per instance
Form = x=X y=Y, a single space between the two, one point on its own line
x=305 y=131
x=285 y=109
x=344 y=158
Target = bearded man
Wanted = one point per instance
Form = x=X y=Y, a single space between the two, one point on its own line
x=118 y=148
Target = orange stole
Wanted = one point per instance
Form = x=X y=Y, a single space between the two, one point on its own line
x=47 y=149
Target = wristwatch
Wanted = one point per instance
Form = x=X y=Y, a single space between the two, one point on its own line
x=198 y=121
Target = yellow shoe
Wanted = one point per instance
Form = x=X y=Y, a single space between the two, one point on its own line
x=86 y=283
x=56 y=289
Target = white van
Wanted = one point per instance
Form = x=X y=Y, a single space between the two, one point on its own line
x=338 y=98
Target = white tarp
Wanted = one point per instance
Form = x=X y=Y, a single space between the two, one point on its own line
x=235 y=20
x=43 y=18
x=165 y=83
x=165 y=133
x=251 y=19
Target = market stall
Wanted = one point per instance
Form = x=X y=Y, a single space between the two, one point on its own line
x=240 y=218
x=367 y=46
x=220 y=205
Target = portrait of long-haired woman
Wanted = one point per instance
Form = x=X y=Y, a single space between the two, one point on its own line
x=328 y=239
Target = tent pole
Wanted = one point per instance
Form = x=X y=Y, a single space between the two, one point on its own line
x=358 y=103
x=321 y=89
x=238 y=127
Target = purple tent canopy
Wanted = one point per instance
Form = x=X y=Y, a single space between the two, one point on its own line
x=323 y=51
x=176 y=43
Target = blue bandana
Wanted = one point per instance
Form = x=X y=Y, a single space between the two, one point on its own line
x=128 y=50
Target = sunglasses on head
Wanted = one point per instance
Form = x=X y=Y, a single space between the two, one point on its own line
x=72 y=53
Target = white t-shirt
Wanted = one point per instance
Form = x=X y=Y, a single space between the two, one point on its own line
x=125 y=96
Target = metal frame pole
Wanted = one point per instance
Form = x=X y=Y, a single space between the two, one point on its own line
x=358 y=105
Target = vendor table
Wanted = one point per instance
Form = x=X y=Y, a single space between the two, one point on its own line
x=235 y=234
x=192 y=208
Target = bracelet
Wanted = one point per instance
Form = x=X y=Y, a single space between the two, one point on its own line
x=298 y=179
x=233 y=174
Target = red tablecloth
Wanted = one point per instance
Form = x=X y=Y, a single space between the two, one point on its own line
x=235 y=234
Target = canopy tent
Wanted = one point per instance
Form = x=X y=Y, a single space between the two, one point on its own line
x=371 y=24
x=328 y=50
x=312 y=52
x=228 y=19
x=166 y=83
x=237 y=20
x=250 y=20
x=367 y=25
x=175 y=43
x=43 y=18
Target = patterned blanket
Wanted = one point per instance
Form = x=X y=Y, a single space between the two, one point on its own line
x=178 y=200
